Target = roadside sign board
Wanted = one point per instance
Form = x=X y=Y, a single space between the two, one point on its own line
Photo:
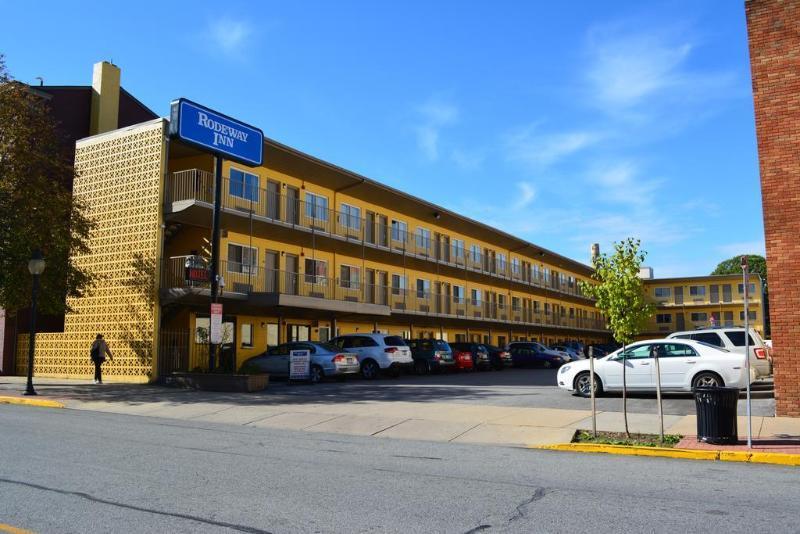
x=299 y=365
x=212 y=131
x=215 y=325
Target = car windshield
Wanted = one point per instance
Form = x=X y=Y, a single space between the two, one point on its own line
x=330 y=347
x=441 y=345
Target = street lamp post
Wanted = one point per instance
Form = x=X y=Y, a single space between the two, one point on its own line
x=36 y=268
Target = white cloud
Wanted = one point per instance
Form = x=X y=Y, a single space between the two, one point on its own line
x=228 y=35
x=622 y=183
x=527 y=193
x=632 y=69
x=541 y=150
x=436 y=114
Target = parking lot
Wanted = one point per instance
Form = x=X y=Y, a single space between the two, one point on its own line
x=528 y=388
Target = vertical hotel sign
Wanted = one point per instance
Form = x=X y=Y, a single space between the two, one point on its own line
x=214 y=132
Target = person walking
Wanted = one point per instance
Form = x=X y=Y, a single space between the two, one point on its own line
x=98 y=354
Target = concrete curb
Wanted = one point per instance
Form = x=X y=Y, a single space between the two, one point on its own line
x=774 y=458
x=43 y=403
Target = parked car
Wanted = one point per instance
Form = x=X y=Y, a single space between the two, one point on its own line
x=326 y=360
x=431 y=355
x=597 y=350
x=531 y=353
x=684 y=364
x=577 y=346
x=733 y=339
x=569 y=352
x=377 y=353
x=500 y=358
x=479 y=353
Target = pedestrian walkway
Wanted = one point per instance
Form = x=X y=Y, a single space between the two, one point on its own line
x=306 y=408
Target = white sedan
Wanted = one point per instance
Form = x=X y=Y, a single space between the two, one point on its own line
x=684 y=364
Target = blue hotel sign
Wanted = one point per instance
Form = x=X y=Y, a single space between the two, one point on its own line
x=215 y=132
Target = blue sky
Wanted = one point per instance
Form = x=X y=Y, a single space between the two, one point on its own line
x=562 y=123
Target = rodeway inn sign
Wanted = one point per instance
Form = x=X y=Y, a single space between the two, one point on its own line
x=215 y=132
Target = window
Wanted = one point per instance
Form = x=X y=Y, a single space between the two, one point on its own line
x=316 y=207
x=272 y=334
x=247 y=335
x=663 y=318
x=243 y=185
x=398 y=284
x=751 y=289
x=546 y=275
x=476 y=297
x=751 y=315
x=736 y=337
x=663 y=292
x=536 y=306
x=423 y=238
x=351 y=217
x=316 y=272
x=475 y=253
x=571 y=281
x=699 y=317
x=501 y=301
x=458 y=248
x=501 y=262
x=423 y=288
x=201 y=326
x=241 y=259
x=697 y=291
x=458 y=294
x=349 y=277
x=399 y=230
x=670 y=350
x=515 y=267
x=712 y=338
x=638 y=353
x=536 y=273
x=572 y=313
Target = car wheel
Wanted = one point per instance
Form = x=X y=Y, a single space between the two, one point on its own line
x=370 y=370
x=707 y=380
x=583 y=385
x=317 y=374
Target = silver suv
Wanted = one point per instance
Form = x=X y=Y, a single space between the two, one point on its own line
x=732 y=339
x=377 y=352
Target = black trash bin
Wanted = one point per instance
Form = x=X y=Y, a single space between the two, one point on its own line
x=716 y=414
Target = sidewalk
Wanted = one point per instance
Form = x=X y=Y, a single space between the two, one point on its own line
x=300 y=408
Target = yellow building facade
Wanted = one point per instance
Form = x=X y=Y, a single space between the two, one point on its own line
x=690 y=303
x=308 y=251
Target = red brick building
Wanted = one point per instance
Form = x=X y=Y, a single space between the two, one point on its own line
x=773 y=28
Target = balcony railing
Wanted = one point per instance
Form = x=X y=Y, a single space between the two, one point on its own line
x=246 y=279
x=314 y=215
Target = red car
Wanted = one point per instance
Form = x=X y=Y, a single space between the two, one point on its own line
x=463 y=359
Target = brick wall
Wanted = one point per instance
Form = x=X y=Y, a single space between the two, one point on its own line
x=774 y=34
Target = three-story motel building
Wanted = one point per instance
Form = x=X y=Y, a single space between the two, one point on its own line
x=308 y=250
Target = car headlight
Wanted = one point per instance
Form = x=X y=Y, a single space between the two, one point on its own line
x=564 y=369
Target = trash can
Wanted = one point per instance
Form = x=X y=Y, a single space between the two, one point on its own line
x=716 y=414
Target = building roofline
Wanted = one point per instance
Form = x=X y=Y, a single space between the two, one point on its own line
x=586 y=269
x=708 y=277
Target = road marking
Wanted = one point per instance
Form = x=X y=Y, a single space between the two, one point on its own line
x=14 y=530
x=44 y=403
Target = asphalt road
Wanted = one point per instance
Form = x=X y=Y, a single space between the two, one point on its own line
x=534 y=388
x=70 y=471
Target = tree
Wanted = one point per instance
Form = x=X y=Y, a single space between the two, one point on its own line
x=758 y=265
x=620 y=296
x=36 y=205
